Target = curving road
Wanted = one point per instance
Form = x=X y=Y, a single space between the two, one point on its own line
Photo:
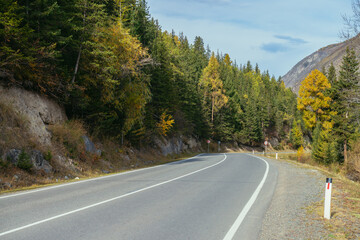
x=210 y=196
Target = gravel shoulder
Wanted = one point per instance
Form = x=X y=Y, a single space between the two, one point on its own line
x=290 y=214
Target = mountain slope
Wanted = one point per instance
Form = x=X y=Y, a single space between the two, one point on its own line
x=318 y=60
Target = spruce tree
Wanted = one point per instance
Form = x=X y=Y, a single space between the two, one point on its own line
x=347 y=100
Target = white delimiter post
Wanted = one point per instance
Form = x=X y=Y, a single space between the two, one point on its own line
x=327 y=202
x=276 y=155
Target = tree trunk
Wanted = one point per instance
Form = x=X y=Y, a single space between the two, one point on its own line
x=122 y=138
x=76 y=65
x=212 y=109
x=345 y=153
x=81 y=45
x=120 y=9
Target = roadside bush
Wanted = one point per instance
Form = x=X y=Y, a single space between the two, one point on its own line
x=24 y=161
x=69 y=135
x=48 y=156
x=300 y=154
x=3 y=164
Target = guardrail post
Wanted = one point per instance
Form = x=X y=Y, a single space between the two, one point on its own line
x=327 y=203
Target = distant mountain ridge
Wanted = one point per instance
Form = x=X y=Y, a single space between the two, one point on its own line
x=318 y=60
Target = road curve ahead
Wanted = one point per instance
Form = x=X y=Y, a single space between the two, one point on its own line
x=210 y=196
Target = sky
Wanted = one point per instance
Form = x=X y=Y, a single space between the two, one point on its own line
x=276 y=34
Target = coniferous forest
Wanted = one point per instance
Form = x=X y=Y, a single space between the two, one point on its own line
x=113 y=67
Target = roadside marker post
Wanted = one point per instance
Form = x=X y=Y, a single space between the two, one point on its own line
x=276 y=155
x=327 y=203
x=253 y=152
x=208 y=142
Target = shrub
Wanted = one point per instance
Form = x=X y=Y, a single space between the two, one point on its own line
x=300 y=154
x=48 y=156
x=69 y=135
x=24 y=161
x=3 y=164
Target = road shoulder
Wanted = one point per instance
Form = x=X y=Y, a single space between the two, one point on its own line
x=289 y=215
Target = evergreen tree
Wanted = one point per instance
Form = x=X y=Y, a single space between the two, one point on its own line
x=296 y=136
x=331 y=74
x=347 y=100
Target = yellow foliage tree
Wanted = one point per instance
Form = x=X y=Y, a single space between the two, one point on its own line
x=113 y=73
x=212 y=86
x=300 y=153
x=313 y=102
x=165 y=123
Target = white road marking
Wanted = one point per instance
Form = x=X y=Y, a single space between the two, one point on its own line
x=231 y=233
x=109 y=200
x=92 y=179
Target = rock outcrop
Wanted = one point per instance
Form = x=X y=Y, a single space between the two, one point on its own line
x=90 y=146
x=39 y=111
x=36 y=157
x=319 y=60
x=176 y=145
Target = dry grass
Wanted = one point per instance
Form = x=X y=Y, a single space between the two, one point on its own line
x=14 y=130
x=345 y=209
x=68 y=137
x=345 y=205
x=353 y=167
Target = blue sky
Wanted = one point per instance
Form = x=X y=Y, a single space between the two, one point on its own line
x=276 y=34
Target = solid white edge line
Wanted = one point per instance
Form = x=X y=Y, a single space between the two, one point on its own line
x=109 y=200
x=92 y=179
x=231 y=233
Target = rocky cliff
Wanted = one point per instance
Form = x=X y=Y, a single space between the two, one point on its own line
x=38 y=145
x=319 y=60
x=38 y=111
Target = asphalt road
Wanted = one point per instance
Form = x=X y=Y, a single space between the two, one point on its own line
x=211 y=196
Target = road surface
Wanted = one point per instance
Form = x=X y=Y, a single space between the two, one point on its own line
x=210 y=196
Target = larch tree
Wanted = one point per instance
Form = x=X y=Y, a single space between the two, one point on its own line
x=313 y=101
x=212 y=86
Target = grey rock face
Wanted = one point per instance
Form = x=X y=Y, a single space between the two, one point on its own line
x=36 y=157
x=13 y=156
x=39 y=111
x=90 y=146
x=274 y=142
x=318 y=60
x=175 y=145
x=38 y=161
